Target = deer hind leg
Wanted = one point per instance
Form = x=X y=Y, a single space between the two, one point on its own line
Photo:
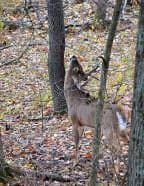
x=110 y=130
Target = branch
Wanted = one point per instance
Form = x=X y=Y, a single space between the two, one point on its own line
x=23 y=52
x=15 y=59
x=5 y=47
x=33 y=43
x=40 y=118
x=44 y=176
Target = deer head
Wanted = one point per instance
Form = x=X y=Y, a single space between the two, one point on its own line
x=77 y=72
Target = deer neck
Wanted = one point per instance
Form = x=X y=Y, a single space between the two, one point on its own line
x=69 y=85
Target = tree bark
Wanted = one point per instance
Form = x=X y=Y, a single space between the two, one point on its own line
x=136 y=147
x=56 y=53
x=4 y=168
x=99 y=7
x=99 y=109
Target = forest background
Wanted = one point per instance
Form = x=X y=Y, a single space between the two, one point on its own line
x=33 y=138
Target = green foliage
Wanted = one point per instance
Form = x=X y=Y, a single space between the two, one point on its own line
x=1 y=26
x=46 y=98
x=8 y=5
x=94 y=22
x=125 y=60
x=129 y=74
x=3 y=179
x=119 y=78
x=122 y=89
x=5 y=172
x=1 y=116
x=43 y=99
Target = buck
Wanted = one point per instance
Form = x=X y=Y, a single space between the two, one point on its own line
x=81 y=108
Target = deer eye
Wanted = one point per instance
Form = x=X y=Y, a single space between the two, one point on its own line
x=76 y=70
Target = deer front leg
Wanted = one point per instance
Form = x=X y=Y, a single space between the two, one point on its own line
x=76 y=139
x=81 y=131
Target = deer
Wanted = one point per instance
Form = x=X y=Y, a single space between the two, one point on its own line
x=82 y=109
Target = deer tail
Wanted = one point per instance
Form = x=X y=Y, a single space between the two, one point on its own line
x=121 y=121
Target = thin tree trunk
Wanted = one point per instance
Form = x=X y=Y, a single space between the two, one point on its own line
x=99 y=109
x=136 y=148
x=4 y=168
x=99 y=7
x=56 y=53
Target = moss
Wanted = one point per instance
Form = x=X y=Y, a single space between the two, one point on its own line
x=5 y=173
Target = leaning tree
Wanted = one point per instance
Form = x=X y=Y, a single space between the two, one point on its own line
x=102 y=90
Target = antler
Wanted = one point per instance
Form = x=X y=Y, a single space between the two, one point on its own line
x=97 y=63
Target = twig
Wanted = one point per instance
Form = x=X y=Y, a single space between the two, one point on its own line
x=16 y=59
x=33 y=43
x=5 y=47
x=117 y=90
x=40 y=118
x=36 y=8
x=92 y=71
x=73 y=25
x=42 y=114
x=23 y=52
x=44 y=176
x=57 y=177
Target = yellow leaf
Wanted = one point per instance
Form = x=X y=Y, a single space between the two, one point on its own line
x=66 y=169
x=1 y=26
x=28 y=166
x=12 y=18
x=1 y=116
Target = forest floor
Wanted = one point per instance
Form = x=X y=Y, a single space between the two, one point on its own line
x=46 y=145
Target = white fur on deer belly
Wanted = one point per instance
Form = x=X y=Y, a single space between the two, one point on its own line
x=121 y=122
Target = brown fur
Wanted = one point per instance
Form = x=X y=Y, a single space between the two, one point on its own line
x=82 y=112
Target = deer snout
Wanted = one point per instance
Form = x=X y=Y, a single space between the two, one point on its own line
x=83 y=76
x=73 y=58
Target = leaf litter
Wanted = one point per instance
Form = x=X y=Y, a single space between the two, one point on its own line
x=48 y=146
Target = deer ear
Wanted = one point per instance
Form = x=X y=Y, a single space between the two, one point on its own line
x=75 y=69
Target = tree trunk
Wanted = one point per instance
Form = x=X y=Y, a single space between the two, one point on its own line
x=4 y=168
x=99 y=109
x=56 y=53
x=136 y=148
x=99 y=7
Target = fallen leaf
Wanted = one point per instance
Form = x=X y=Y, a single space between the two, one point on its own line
x=88 y=155
x=88 y=134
